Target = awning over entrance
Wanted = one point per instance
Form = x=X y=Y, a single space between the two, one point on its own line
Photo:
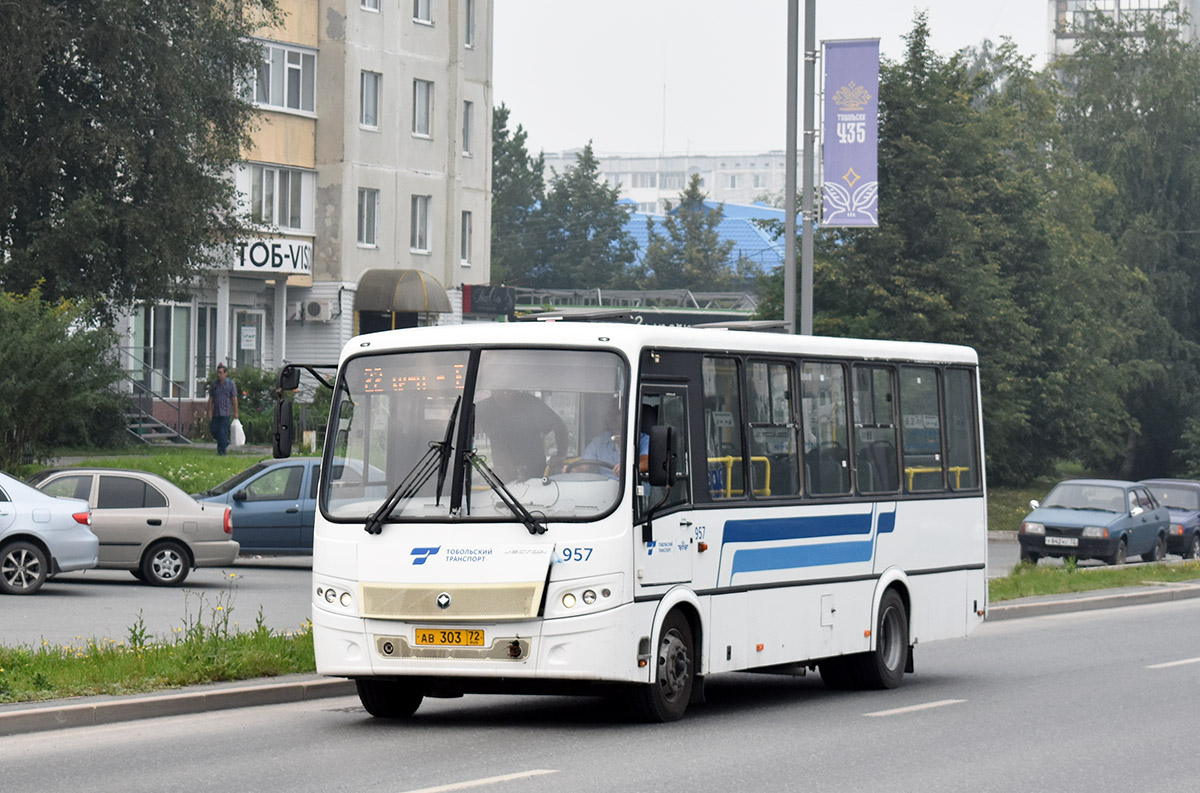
x=399 y=292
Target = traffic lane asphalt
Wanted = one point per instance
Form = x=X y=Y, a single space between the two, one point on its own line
x=74 y=607
x=1049 y=703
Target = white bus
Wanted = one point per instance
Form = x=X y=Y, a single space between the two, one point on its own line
x=577 y=507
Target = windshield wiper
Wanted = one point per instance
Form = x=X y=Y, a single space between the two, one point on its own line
x=444 y=457
x=436 y=459
x=510 y=501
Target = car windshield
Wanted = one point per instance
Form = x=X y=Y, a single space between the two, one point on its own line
x=236 y=479
x=549 y=423
x=1071 y=495
x=1176 y=497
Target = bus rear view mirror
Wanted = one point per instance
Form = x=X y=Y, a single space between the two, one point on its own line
x=281 y=439
x=289 y=378
x=661 y=463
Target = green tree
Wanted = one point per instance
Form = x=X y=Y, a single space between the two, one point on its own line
x=58 y=377
x=518 y=188
x=988 y=237
x=1132 y=112
x=691 y=253
x=580 y=229
x=119 y=122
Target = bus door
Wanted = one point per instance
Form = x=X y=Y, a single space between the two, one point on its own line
x=665 y=546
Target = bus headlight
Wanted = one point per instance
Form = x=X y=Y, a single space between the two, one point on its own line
x=583 y=596
x=334 y=597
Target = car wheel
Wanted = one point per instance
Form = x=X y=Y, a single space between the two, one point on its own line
x=667 y=698
x=165 y=564
x=1192 y=551
x=1156 y=553
x=1030 y=556
x=23 y=568
x=138 y=575
x=389 y=699
x=1118 y=556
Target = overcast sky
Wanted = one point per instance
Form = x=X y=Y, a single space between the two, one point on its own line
x=644 y=76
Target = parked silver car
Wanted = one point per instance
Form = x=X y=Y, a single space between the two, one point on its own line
x=41 y=536
x=146 y=524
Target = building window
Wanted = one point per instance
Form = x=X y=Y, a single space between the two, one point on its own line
x=468 y=121
x=368 y=213
x=369 y=99
x=422 y=108
x=465 y=254
x=419 y=236
x=370 y=5
x=645 y=180
x=280 y=197
x=286 y=78
x=470 y=14
x=423 y=11
x=733 y=181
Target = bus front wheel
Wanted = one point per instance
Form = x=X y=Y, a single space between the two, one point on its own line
x=389 y=699
x=666 y=699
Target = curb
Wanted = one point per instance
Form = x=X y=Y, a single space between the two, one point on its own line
x=57 y=717
x=1163 y=594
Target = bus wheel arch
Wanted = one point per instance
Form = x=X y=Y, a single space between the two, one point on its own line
x=674 y=679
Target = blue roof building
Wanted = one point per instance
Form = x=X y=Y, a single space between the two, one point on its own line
x=737 y=224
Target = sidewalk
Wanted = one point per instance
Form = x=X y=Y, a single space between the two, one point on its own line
x=26 y=717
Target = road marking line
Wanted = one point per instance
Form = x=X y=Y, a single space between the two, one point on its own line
x=912 y=708
x=1174 y=663
x=492 y=780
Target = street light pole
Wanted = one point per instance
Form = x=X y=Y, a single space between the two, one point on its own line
x=810 y=142
x=789 y=181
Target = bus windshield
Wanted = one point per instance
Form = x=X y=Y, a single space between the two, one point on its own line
x=548 y=424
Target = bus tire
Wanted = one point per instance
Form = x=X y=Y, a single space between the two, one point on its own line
x=666 y=699
x=884 y=666
x=388 y=699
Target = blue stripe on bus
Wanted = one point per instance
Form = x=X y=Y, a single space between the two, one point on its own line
x=798 y=528
x=887 y=522
x=751 y=560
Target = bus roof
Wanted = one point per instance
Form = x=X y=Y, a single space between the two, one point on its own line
x=632 y=338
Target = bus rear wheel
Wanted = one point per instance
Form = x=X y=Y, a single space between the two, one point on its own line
x=389 y=699
x=666 y=699
x=882 y=667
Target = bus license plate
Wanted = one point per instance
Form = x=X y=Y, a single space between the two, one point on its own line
x=1069 y=542
x=441 y=637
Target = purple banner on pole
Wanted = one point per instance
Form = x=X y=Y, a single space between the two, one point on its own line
x=850 y=186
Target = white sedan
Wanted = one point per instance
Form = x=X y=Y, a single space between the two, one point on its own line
x=41 y=536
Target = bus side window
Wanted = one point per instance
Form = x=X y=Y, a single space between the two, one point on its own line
x=921 y=430
x=723 y=428
x=826 y=436
x=962 y=446
x=875 y=430
x=774 y=454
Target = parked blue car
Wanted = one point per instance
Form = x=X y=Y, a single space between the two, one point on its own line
x=273 y=504
x=1182 y=498
x=1106 y=519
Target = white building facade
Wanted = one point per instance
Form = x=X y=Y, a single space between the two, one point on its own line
x=652 y=180
x=1066 y=18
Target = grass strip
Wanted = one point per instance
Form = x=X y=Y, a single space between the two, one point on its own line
x=197 y=652
x=1027 y=580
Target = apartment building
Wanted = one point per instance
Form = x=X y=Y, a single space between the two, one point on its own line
x=368 y=179
x=1066 y=18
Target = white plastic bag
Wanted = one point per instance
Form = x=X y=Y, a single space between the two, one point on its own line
x=237 y=435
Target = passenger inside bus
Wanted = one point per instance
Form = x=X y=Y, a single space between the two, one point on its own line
x=517 y=423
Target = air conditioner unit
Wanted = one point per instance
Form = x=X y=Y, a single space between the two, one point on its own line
x=295 y=311
x=317 y=311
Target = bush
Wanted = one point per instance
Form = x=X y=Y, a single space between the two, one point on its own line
x=58 y=376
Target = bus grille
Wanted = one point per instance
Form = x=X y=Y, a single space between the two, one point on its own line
x=467 y=601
